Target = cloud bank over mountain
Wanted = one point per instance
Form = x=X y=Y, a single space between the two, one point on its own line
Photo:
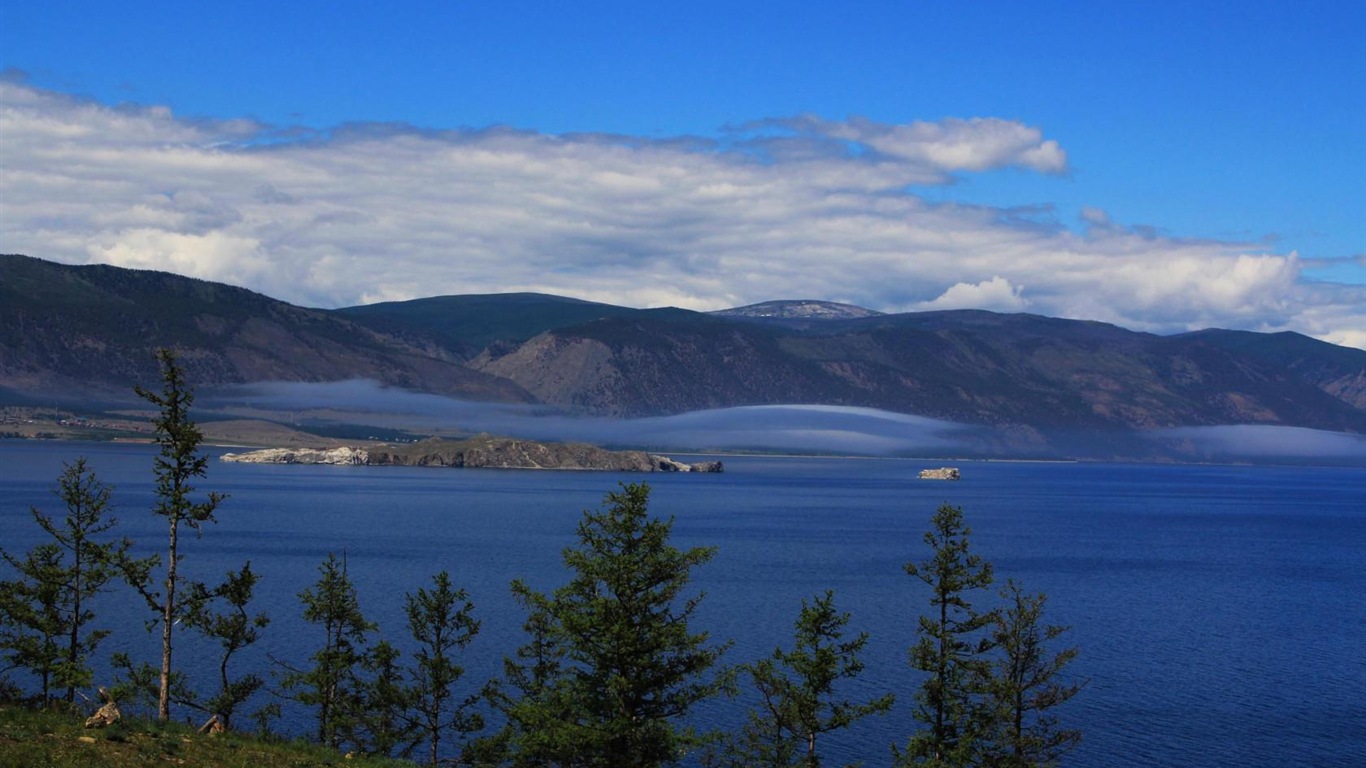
x=780 y=208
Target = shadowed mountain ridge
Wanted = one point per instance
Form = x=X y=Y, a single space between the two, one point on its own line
x=95 y=327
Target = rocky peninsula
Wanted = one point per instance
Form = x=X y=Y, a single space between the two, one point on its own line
x=483 y=451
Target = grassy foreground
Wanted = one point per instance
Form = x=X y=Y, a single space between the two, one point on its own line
x=39 y=739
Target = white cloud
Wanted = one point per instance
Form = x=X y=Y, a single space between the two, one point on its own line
x=995 y=294
x=214 y=255
x=798 y=207
x=978 y=144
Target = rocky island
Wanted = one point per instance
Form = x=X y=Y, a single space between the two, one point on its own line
x=483 y=451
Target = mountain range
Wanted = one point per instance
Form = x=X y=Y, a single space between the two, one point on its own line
x=89 y=332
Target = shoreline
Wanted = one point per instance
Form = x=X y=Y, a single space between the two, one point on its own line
x=1284 y=464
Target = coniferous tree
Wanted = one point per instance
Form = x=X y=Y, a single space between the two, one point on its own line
x=1024 y=685
x=528 y=698
x=950 y=649
x=332 y=684
x=139 y=683
x=46 y=613
x=628 y=668
x=177 y=465
x=31 y=621
x=441 y=620
x=234 y=629
x=798 y=688
x=377 y=721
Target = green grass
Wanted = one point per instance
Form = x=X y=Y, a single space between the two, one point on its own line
x=44 y=739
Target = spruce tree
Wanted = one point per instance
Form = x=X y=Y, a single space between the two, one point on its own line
x=31 y=620
x=442 y=622
x=628 y=667
x=1024 y=684
x=176 y=466
x=800 y=700
x=529 y=699
x=332 y=685
x=950 y=648
x=234 y=628
x=45 y=615
x=377 y=720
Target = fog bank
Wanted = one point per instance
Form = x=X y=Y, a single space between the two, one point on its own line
x=1253 y=442
x=774 y=428
x=790 y=428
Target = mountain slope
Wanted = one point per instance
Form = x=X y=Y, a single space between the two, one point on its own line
x=976 y=367
x=1339 y=371
x=466 y=325
x=91 y=329
x=662 y=362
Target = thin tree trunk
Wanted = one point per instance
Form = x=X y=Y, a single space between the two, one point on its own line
x=223 y=678
x=73 y=647
x=167 y=615
x=1018 y=735
x=940 y=737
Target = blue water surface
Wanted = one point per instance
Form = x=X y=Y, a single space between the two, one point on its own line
x=1220 y=611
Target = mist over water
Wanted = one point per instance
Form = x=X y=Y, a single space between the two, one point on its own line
x=1264 y=441
x=791 y=428
x=794 y=428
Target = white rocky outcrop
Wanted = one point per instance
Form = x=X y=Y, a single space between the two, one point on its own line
x=666 y=464
x=345 y=456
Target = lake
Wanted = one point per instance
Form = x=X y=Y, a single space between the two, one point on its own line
x=1220 y=611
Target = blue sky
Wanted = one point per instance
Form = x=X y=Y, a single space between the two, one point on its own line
x=1219 y=150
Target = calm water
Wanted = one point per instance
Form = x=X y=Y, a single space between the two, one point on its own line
x=1220 y=611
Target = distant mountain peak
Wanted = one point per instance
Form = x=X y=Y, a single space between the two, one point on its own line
x=799 y=309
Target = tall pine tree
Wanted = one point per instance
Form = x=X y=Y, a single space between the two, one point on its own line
x=529 y=698
x=45 y=615
x=31 y=620
x=176 y=467
x=1024 y=684
x=950 y=649
x=628 y=668
x=442 y=622
x=333 y=683
x=234 y=628
x=800 y=693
